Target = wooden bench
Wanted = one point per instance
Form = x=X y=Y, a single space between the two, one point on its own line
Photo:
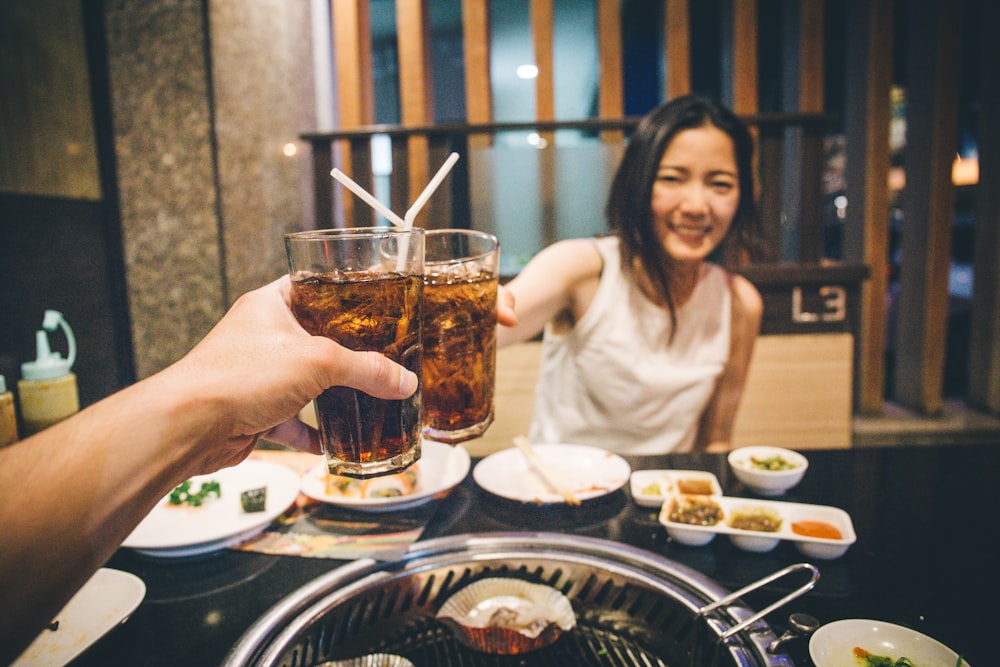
x=798 y=393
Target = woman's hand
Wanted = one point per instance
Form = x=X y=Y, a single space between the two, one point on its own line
x=506 y=316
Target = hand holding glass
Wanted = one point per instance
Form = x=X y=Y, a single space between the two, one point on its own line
x=361 y=287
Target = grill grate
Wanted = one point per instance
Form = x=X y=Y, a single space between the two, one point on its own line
x=632 y=608
x=617 y=624
x=426 y=642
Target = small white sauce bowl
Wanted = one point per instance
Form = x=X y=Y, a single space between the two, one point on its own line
x=767 y=482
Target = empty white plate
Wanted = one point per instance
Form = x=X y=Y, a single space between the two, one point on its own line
x=589 y=472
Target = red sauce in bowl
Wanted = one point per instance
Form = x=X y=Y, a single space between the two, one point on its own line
x=816 y=529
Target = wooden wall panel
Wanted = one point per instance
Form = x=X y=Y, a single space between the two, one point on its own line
x=811 y=44
x=677 y=48
x=743 y=49
x=609 y=45
x=866 y=228
x=817 y=414
x=928 y=202
x=984 y=375
x=355 y=97
x=415 y=91
x=542 y=36
x=804 y=92
x=478 y=92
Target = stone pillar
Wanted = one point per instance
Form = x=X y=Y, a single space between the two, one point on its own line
x=208 y=97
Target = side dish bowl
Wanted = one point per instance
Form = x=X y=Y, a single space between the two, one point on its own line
x=768 y=471
x=833 y=645
x=651 y=487
x=817 y=531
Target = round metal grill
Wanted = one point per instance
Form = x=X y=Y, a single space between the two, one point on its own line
x=632 y=608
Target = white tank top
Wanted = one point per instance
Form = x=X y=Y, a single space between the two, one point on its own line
x=615 y=382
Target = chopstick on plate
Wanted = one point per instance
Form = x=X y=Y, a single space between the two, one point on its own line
x=536 y=462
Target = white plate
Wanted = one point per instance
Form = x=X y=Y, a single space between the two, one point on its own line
x=172 y=532
x=589 y=472
x=440 y=468
x=104 y=602
x=833 y=644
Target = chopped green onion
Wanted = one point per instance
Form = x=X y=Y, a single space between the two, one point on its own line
x=182 y=493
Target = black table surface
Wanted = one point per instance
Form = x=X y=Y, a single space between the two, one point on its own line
x=925 y=517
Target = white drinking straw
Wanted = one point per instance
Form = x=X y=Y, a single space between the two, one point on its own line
x=412 y=212
x=367 y=197
x=407 y=221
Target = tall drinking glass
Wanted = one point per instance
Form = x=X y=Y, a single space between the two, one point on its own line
x=461 y=271
x=362 y=288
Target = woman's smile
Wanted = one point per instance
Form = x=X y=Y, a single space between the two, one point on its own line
x=696 y=192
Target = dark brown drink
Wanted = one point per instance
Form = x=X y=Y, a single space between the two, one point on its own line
x=361 y=311
x=459 y=339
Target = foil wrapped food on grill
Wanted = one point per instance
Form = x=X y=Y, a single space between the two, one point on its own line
x=507 y=616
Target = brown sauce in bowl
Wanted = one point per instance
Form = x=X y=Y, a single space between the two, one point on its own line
x=695 y=510
x=698 y=487
x=759 y=520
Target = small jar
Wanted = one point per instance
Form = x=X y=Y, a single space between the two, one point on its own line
x=8 y=415
x=47 y=388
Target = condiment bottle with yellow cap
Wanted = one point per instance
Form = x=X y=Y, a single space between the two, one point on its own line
x=47 y=387
x=8 y=417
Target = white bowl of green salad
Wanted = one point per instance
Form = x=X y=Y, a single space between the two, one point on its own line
x=860 y=642
x=768 y=471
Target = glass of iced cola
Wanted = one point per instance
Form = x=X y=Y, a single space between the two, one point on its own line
x=461 y=270
x=362 y=288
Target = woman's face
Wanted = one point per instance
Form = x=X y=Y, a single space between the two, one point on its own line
x=696 y=193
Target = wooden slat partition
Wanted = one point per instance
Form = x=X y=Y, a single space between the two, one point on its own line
x=416 y=89
x=353 y=55
x=866 y=228
x=810 y=50
x=929 y=202
x=984 y=346
x=478 y=93
x=743 y=57
x=542 y=34
x=677 y=49
x=770 y=128
x=803 y=64
x=790 y=170
x=611 y=89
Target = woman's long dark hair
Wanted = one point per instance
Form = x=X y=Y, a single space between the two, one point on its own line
x=629 y=210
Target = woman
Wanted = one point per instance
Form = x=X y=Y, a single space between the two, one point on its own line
x=646 y=343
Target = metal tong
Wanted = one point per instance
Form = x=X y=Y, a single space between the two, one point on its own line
x=720 y=638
